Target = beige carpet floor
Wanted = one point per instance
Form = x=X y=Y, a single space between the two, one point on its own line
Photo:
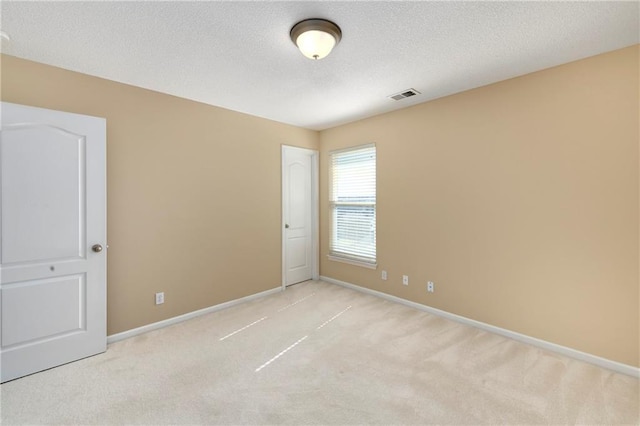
x=322 y=354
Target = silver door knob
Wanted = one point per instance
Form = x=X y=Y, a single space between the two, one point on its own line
x=97 y=248
x=286 y=225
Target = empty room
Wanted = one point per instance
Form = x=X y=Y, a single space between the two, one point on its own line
x=323 y=212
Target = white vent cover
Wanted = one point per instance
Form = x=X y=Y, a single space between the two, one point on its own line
x=404 y=94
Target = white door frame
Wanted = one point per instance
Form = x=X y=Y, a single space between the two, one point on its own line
x=315 y=210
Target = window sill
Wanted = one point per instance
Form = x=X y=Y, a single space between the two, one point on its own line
x=352 y=262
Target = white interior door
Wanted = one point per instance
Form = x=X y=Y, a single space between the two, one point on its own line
x=299 y=206
x=52 y=239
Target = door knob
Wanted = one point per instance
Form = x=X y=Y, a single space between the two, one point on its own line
x=286 y=225
x=97 y=248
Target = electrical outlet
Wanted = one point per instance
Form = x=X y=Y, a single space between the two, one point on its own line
x=430 y=287
x=405 y=279
x=384 y=275
x=160 y=298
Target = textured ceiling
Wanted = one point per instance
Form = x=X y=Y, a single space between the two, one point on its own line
x=238 y=54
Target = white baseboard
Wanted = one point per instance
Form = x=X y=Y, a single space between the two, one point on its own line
x=563 y=350
x=170 y=321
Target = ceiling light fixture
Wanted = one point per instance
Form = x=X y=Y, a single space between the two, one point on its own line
x=315 y=37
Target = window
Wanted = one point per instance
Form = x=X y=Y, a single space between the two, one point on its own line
x=353 y=205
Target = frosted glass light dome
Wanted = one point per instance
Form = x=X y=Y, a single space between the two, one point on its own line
x=315 y=44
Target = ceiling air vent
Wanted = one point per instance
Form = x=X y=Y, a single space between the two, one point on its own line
x=404 y=94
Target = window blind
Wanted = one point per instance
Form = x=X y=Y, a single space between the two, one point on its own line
x=353 y=204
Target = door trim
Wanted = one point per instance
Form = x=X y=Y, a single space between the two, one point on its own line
x=315 y=210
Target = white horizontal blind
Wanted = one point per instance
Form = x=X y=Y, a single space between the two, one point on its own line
x=353 y=204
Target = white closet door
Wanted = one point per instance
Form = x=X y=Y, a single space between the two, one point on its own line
x=52 y=239
x=298 y=214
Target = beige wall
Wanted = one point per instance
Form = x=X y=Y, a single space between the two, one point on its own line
x=193 y=192
x=519 y=199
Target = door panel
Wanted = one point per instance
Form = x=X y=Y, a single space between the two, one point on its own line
x=58 y=304
x=298 y=254
x=47 y=164
x=53 y=209
x=299 y=193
